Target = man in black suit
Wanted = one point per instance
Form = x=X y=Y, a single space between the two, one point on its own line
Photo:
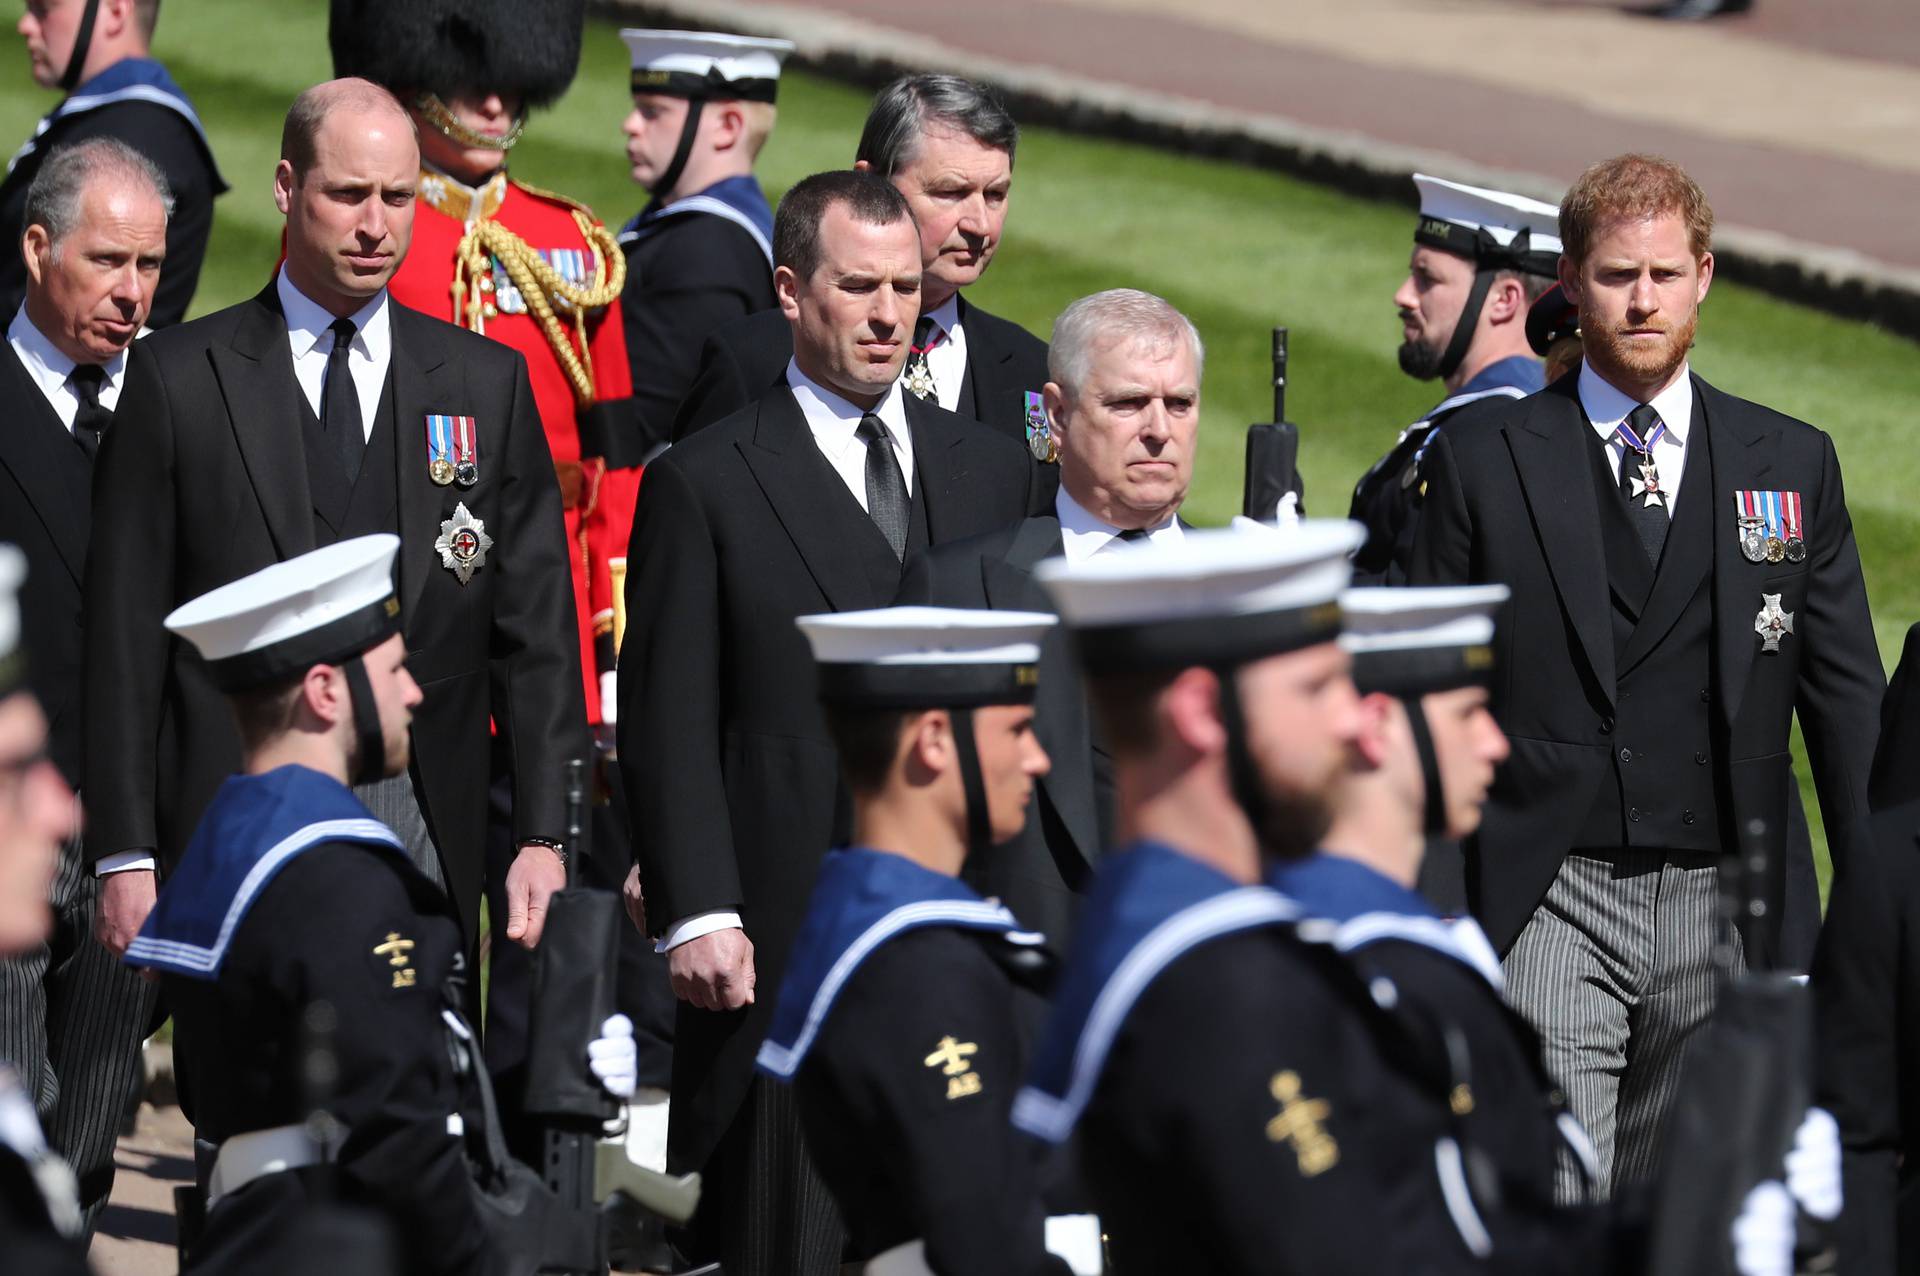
x=71 y=1017
x=803 y=502
x=1123 y=404
x=1685 y=580
x=315 y=411
x=97 y=53
x=947 y=144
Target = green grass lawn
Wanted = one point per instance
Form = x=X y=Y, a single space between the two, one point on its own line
x=1239 y=251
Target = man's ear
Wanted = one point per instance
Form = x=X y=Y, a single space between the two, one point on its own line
x=1506 y=302
x=1190 y=710
x=786 y=290
x=1055 y=400
x=36 y=249
x=728 y=124
x=323 y=690
x=283 y=184
x=1570 y=279
x=1378 y=713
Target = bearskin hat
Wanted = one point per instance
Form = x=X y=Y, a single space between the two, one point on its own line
x=525 y=47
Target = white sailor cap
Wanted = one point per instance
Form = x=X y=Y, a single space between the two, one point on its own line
x=1213 y=597
x=321 y=608
x=705 y=64
x=927 y=657
x=1493 y=229
x=1412 y=641
x=13 y=656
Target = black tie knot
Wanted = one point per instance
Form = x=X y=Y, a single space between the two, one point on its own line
x=873 y=430
x=344 y=331
x=1643 y=420
x=86 y=380
x=923 y=332
x=1134 y=534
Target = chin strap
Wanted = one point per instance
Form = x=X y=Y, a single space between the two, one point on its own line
x=979 y=819
x=1242 y=775
x=441 y=117
x=1435 y=803
x=82 y=40
x=681 y=153
x=366 y=724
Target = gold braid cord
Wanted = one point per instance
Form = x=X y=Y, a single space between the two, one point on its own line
x=540 y=284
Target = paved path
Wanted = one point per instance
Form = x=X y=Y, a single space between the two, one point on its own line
x=1802 y=121
x=136 y=1230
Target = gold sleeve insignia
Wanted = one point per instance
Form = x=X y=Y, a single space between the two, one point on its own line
x=396 y=950
x=952 y=1057
x=1301 y=1125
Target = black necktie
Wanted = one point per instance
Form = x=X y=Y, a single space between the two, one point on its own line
x=887 y=501
x=1128 y=536
x=1640 y=482
x=91 y=421
x=340 y=402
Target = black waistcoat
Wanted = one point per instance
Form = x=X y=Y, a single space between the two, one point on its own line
x=343 y=509
x=1661 y=791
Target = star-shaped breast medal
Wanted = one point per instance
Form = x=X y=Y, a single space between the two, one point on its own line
x=1648 y=485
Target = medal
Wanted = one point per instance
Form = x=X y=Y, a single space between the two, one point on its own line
x=1776 y=550
x=1772 y=624
x=1771 y=526
x=440 y=449
x=1041 y=445
x=919 y=376
x=1753 y=541
x=463 y=544
x=1795 y=537
x=466 y=451
x=1648 y=483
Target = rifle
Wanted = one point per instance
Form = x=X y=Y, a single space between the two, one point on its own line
x=573 y=994
x=1273 y=450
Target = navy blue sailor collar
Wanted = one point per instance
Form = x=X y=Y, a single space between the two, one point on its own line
x=1149 y=905
x=737 y=199
x=1363 y=906
x=861 y=899
x=128 y=80
x=253 y=828
x=1514 y=377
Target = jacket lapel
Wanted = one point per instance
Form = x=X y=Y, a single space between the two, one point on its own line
x=820 y=516
x=983 y=363
x=422 y=380
x=939 y=463
x=1742 y=460
x=1555 y=474
x=263 y=404
x=36 y=447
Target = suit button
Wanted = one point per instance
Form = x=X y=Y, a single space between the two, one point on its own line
x=1700 y=756
x=1704 y=697
x=1626 y=755
x=1606 y=726
x=1634 y=815
x=1686 y=817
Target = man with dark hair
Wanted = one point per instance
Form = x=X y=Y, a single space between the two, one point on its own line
x=947 y=144
x=1685 y=582
x=904 y=1019
x=97 y=53
x=71 y=1018
x=293 y=420
x=1123 y=408
x=803 y=502
x=1480 y=258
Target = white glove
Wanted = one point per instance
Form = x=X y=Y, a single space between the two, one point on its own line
x=1813 y=1166
x=614 y=1058
x=1763 y=1232
x=610 y=697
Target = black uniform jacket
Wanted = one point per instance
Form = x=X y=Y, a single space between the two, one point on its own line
x=741 y=360
x=30 y=1238
x=687 y=277
x=45 y=503
x=357 y=927
x=1866 y=975
x=205 y=478
x=1512 y=500
x=1040 y=873
x=731 y=778
x=164 y=136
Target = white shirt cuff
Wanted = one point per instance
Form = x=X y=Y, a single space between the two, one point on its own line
x=123 y=861
x=695 y=926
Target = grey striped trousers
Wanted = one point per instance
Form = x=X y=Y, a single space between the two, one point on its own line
x=393 y=802
x=72 y=1019
x=1615 y=971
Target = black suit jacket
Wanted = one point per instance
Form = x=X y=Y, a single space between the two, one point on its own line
x=1511 y=499
x=1040 y=873
x=732 y=781
x=740 y=361
x=204 y=479
x=1866 y=974
x=44 y=501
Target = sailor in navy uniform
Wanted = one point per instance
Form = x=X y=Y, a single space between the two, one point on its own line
x=905 y=1015
x=291 y=895
x=700 y=254
x=1245 y=1101
x=41 y=1227
x=115 y=89
x=1479 y=259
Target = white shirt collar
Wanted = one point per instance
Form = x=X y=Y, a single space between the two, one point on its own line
x=309 y=323
x=834 y=421
x=1608 y=406
x=46 y=365
x=1082 y=534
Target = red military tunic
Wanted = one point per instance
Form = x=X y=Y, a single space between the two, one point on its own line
x=469 y=274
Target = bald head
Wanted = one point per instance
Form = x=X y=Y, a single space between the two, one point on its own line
x=310 y=111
